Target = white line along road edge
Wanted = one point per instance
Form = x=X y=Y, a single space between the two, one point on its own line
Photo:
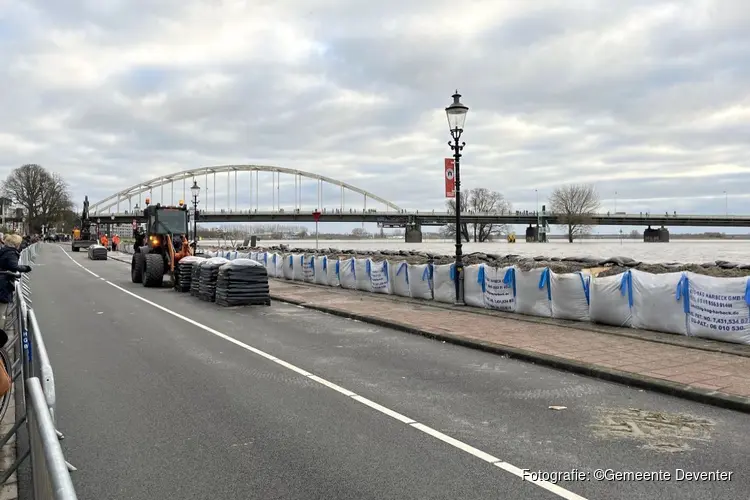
x=553 y=488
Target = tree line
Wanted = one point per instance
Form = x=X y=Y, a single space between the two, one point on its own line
x=573 y=204
x=43 y=195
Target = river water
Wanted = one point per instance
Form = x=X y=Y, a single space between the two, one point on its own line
x=687 y=251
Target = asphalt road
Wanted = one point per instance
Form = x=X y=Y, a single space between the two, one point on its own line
x=161 y=395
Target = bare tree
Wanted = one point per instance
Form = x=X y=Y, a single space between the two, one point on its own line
x=573 y=205
x=45 y=196
x=360 y=233
x=479 y=201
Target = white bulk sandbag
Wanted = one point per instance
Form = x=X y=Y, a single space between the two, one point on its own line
x=611 y=299
x=320 y=267
x=288 y=266
x=279 y=265
x=299 y=267
x=719 y=308
x=500 y=288
x=533 y=294
x=400 y=278
x=362 y=274
x=474 y=285
x=347 y=274
x=333 y=272
x=420 y=281
x=271 y=265
x=658 y=302
x=570 y=295
x=380 y=277
x=308 y=268
x=444 y=283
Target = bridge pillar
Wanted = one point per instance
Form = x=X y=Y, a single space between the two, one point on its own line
x=532 y=234
x=660 y=235
x=413 y=233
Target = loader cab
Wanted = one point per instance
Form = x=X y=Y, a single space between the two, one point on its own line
x=164 y=220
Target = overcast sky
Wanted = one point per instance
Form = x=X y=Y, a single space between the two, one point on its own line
x=649 y=99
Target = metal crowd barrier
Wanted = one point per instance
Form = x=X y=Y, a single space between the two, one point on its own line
x=50 y=473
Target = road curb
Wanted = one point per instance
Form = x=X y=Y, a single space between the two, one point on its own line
x=683 y=391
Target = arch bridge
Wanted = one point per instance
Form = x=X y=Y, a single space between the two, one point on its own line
x=247 y=190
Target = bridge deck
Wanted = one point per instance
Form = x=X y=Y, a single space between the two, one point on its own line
x=443 y=218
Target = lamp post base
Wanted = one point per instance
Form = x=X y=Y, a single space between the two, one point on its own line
x=459 y=284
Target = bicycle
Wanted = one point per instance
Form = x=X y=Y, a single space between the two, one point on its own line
x=11 y=318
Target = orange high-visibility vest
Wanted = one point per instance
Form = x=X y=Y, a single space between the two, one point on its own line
x=104 y=241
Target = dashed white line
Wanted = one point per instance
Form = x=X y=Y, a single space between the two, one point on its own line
x=460 y=445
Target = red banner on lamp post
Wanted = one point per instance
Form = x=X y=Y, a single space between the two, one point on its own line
x=450 y=178
x=316 y=217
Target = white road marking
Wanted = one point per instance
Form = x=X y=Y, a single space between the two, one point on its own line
x=551 y=487
x=383 y=409
x=331 y=385
x=460 y=445
x=456 y=443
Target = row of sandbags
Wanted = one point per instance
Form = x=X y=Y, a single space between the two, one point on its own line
x=679 y=303
x=240 y=281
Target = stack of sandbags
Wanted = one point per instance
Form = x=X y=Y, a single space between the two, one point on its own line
x=97 y=252
x=195 y=278
x=242 y=282
x=209 y=273
x=184 y=273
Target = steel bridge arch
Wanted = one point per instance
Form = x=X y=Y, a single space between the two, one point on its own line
x=142 y=187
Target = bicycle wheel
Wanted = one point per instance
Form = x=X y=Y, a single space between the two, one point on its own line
x=5 y=399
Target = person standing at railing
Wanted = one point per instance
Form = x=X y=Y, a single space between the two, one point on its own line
x=115 y=242
x=9 y=255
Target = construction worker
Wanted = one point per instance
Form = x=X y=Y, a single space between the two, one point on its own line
x=115 y=242
x=76 y=234
x=140 y=237
x=104 y=241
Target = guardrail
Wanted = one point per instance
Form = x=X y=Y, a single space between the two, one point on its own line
x=50 y=473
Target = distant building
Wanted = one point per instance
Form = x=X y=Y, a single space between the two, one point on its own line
x=122 y=230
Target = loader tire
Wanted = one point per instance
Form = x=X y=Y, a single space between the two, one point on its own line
x=136 y=267
x=76 y=249
x=153 y=275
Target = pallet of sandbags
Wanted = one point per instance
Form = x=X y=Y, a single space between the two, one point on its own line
x=243 y=282
x=184 y=273
x=97 y=252
x=209 y=273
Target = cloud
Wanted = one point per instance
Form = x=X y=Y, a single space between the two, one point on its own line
x=646 y=98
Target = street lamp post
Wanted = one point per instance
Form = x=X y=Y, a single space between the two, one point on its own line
x=456 y=114
x=195 y=190
x=537 y=215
